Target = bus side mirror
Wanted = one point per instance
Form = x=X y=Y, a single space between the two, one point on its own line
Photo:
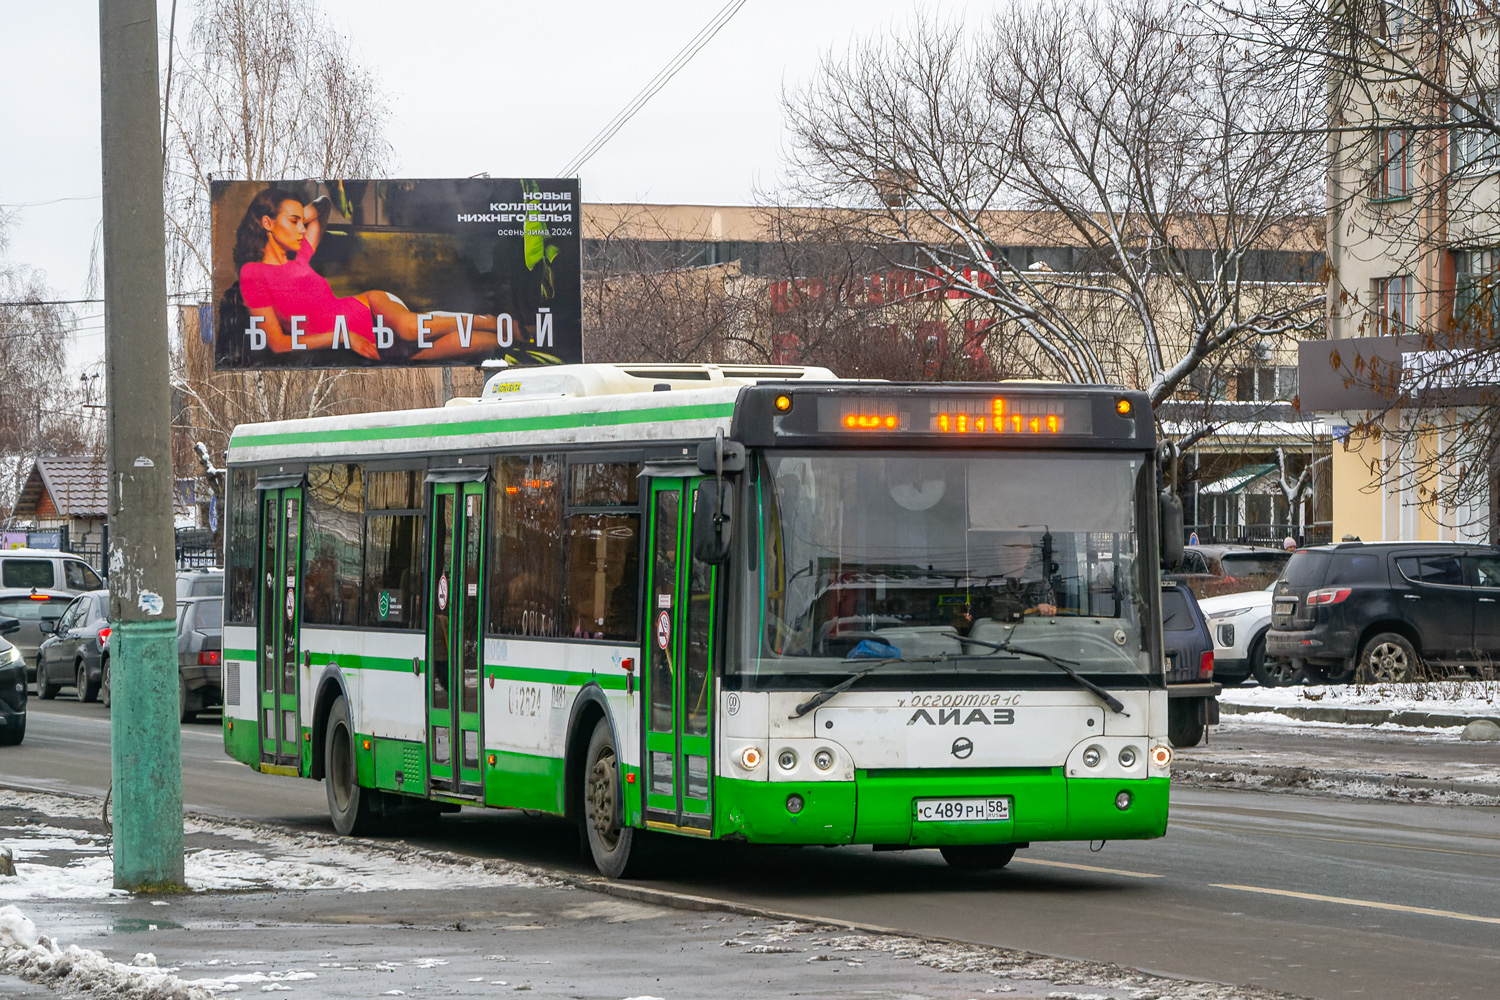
x=1169 y=511
x=712 y=503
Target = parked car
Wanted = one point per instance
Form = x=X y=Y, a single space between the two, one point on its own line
x=12 y=687
x=1238 y=624
x=46 y=569
x=32 y=606
x=200 y=662
x=76 y=648
x=200 y=583
x=1214 y=570
x=1388 y=611
x=1192 y=693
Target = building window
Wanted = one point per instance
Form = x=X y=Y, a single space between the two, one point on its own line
x=1476 y=299
x=1466 y=10
x=1394 y=174
x=1396 y=22
x=1393 y=303
x=1477 y=150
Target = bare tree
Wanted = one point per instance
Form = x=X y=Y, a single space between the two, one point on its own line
x=42 y=410
x=1162 y=161
x=264 y=89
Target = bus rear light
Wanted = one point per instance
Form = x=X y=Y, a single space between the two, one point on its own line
x=794 y=803
x=104 y=634
x=750 y=758
x=1127 y=757
x=1161 y=755
x=1093 y=757
x=1122 y=801
x=1328 y=595
x=1206 y=665
x=209 y=657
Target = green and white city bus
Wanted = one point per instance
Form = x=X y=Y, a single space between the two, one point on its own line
x=758 y=604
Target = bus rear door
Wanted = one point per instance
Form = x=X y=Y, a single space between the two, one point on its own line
x=277 y=626
x=454 y=638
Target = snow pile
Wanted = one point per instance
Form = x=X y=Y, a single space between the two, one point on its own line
x=1447 y=697
x=35 y=957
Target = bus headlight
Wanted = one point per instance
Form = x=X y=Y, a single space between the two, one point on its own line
x=1127 y=757
x=1122 y=801
x=787 y=759
x=750 y=758
x=1093 y=756
x=823 y=759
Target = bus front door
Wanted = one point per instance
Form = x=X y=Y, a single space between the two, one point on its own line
x=678 y=681
x=455 y=638
x=278 y=620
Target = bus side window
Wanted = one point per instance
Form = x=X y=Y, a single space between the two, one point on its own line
x=525 y=585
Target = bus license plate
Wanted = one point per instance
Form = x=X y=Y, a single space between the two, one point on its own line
x=962 y=810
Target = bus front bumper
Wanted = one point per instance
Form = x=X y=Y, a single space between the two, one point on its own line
x=879 y=807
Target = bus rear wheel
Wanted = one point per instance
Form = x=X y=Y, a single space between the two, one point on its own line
x=613 y=847
x=977 y=857
x=355 y=811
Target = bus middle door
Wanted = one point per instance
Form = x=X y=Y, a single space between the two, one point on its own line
x=277 y=628
x=454 y=638
x=678 y=681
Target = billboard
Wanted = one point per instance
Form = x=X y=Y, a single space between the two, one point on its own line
x=389 y=273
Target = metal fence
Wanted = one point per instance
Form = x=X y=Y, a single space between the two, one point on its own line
x=1271 y=535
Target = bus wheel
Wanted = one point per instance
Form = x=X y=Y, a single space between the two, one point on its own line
x=977 y=857
x=611 y=844
x=354 y=810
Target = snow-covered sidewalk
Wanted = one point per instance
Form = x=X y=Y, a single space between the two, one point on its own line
x=1436 y=700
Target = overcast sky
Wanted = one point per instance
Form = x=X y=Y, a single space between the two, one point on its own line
x=514 y=89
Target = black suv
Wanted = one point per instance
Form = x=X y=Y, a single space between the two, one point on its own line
x=1380 y=611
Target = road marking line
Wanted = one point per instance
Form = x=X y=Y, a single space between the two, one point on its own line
x=1340 y=840
x=1372 y=904
x=1084 y=868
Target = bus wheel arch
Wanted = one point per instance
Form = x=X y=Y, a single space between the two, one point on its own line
x=329 y=691
x=588 y=708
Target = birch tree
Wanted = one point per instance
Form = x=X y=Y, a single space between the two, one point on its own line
x=264 y=90
x=1168 y=164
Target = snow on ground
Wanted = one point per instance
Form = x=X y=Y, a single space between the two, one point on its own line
x=1448 y=697
x=272 y=859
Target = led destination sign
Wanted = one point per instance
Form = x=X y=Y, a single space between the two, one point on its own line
x=1030 y=416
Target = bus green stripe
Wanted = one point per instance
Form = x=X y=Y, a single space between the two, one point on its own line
x=504 y=425
x=507 y=672
x=542 y=675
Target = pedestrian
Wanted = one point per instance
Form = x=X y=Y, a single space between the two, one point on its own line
x=1289 y=543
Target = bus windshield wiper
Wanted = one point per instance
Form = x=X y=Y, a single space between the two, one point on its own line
x=848 y=682
x=1066 y=666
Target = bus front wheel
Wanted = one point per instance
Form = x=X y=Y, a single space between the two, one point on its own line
x=354 y=810
x=977 y=857
x=613 y=847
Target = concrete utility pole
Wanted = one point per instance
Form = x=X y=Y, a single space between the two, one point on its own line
x=146 y=742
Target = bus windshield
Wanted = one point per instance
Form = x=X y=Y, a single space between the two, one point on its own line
x=954 y=562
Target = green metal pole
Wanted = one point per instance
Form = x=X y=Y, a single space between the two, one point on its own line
x=146 y=742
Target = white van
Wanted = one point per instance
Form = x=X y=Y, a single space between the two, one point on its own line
x=46 y=569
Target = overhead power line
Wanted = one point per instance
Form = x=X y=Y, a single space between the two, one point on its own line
x=660 y=80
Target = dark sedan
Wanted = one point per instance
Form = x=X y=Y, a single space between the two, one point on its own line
x=200 y=630
x=76 y=650
x=12 y=687
x=31 y=606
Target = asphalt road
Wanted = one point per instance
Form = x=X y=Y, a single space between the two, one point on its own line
x=1317 y=897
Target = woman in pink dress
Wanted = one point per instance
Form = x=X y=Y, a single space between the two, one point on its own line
x=273 y=251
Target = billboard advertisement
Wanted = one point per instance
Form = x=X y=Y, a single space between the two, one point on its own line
x=391 y=273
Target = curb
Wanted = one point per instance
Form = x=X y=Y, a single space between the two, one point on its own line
x=1208 y=776
x=1358 y=716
